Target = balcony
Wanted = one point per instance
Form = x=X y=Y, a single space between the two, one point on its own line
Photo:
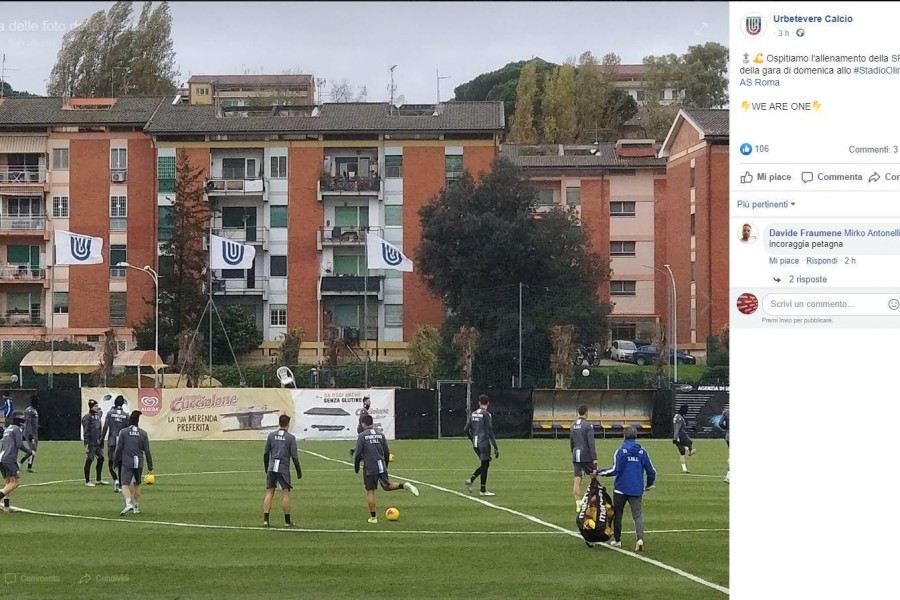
x=241 y=287
x=350 y=186
x=352 y=285
x=22 y=318
x=222 y=186
x=23 y=224
x=245 y=235
x=22 y=274
x=23 y=175
x=344 y=236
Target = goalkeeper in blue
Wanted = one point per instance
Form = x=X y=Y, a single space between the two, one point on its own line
x=631 y=462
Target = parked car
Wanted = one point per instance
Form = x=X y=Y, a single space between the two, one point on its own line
x=622 y=351
x=650 y=355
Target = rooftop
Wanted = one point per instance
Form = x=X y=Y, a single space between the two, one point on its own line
x=253 y=80
x=711 y=122
x=574 y=156
x=36 y=111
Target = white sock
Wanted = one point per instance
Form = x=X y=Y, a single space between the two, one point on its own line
x=684 y=467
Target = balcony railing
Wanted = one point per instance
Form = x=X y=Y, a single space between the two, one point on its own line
x=22 y=318
x=258 y=285
x=352 y=284
x=220 y=186
x=22 y=273
x=244 y=235
x=23 y=223
x=344 y=236
x=350 y=186
x=22 y=175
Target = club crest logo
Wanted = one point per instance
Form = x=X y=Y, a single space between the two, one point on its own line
x=391 y=256
x=80 y=245
x=753 y=25
x=232 y=253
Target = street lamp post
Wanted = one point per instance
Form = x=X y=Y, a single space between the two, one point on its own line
x=674 y=329
x=155 y=276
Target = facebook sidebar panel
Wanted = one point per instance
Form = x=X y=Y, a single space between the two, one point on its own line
x=814 y=238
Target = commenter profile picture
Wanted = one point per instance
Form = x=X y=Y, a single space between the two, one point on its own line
x=747 y=303
x=747 y=233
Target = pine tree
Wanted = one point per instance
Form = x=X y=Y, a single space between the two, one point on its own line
x=522 y=130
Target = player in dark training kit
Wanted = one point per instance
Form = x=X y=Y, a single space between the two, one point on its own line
x=13 y=441
x=281 y=447
x=92 y=427
x=131 y=448
x=115 y=421
x=584 y=451
x=31 y=429
x=480 y=430
x=680 y=437
x=367 y=403
x=372 y=451
x=724 y=423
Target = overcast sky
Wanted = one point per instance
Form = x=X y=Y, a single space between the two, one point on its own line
x=360 y=41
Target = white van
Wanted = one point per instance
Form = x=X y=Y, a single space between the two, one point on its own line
x=622 y=351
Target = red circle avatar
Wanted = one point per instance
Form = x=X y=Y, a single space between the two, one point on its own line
x=747 y=303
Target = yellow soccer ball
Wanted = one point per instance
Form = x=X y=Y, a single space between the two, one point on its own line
x=149 y=478
x=391 y=458
x=392 y=514
x=589 y=524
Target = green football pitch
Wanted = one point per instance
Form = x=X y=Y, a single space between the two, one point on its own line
x=200 y=535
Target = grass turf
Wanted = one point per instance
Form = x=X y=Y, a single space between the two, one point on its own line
x=148 y=555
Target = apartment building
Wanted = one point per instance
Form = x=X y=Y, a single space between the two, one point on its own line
x=615 y=188
x=245 y=90
x=692 y=236
x=306 y=190
x=83 y=165
x=631 y=79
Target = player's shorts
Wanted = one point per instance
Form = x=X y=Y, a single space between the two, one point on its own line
x=371 y=481
x=94 y=452
x=582 y=469
x=130 y=475
x=9 y=470
x=32 y=442
x=483 y=452
x=683 y=445
x=282 y=479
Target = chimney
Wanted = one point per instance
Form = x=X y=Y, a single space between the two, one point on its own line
x=636 y=148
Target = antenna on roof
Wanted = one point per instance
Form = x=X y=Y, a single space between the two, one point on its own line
x=3 y=71
x=437 y=73
x=393 y=89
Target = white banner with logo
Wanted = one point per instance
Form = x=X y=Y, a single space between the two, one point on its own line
x=333 y=414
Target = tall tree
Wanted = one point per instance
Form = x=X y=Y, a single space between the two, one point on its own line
x=181 y=282
x=660 y=73
x=501 y=84
x=481 y=241
x=108 y=56
x=558 y=106
x=243 y=333
x=589 y=97
x=522 y=129
x=704 y=80
x=549 y=101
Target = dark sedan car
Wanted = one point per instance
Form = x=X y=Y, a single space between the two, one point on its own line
x=650 y=355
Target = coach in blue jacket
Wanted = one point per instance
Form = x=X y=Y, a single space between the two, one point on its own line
x=631 y=461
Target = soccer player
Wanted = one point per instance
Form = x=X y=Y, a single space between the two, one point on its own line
x=584 y=452
x=631 y=461
x=92 y=427
x=367 y=403
x=480 y=429
x=680 y=437
x=131 y=448
x=281 y=447
x=372 y=450
x=724 y=423
x=31 y=429
x=6 y=406
x=115 y=421
x=13 y=441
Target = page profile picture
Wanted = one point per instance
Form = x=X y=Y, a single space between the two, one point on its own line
x=747 y=303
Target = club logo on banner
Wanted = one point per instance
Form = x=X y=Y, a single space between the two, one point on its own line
x=81 y=247
x=391 y=255
x=232 y=253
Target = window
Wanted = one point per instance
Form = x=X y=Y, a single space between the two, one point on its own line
x=622 y=209
x=544 y=197
x=61 y=303
x=453 y=166
x=118 y=212
x=641 y=95
x=164 y=223
x=278 y=216
x=61 y=159
x=278 y=316
x=278 y=266
x=693 y=177
x=166 y=264
x=165 y=173
x=622 y=288
x=624 y=331
x=393 y=215
x=279 y=167
x=24 y=207
x=351 y=217
x=232 y=274
x=693 y=267
x=117 y=254
x=21 y=306
x=60 y=207
x=622 y=248
x=693 y=318
x=239 y=168
x=349 y=264
x=118 y=159
x=393 y=165
x=573 y=196
x=93 y=338
x=117 y=305
x=393 y=315
x=693 y=224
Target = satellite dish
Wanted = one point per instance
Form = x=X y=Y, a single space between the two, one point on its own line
x=285 y=377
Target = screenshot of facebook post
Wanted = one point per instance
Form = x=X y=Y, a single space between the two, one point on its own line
x=813 y=229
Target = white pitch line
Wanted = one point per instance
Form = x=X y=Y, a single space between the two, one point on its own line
x=553 y=526
x=157 y=474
